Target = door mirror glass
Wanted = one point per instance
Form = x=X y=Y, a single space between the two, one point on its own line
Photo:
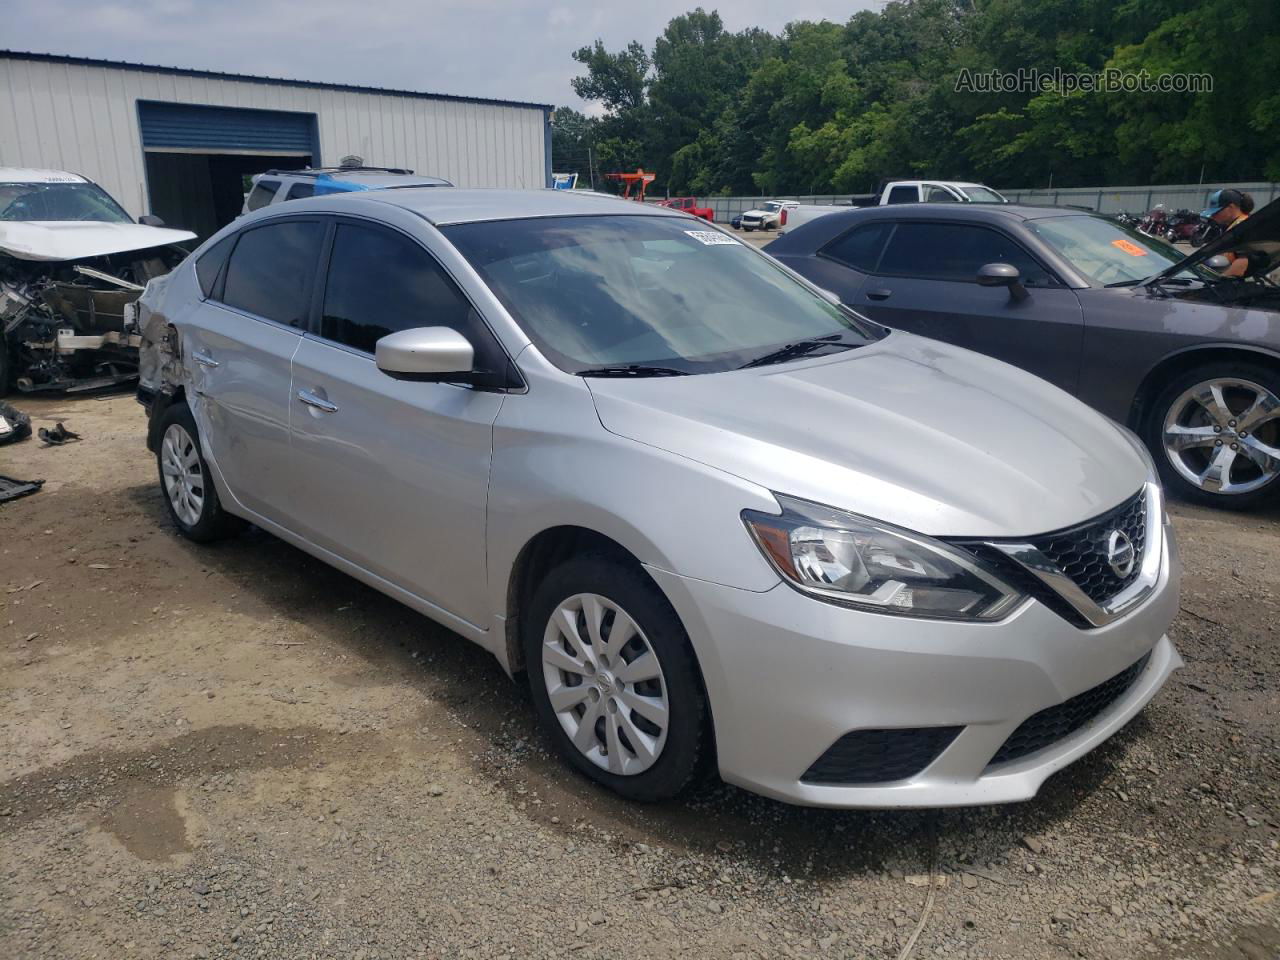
x=150 y=220
x=1218 y=262
x=425 y=353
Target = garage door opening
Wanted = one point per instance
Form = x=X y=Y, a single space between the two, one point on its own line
x=199 y=159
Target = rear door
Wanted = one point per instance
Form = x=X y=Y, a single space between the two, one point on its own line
x=925 y=281
x=238 y=346
x=392 y=475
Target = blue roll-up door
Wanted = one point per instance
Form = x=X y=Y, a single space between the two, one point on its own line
x=183 y=127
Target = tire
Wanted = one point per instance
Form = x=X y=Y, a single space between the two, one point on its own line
x=748 y=229
x=185 y=483
x=5 y=371
x=1233 y=433
x=653 y=761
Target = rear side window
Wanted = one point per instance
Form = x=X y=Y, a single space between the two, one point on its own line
x=272 y=268
x=904 y=194
x=210 y=264
x=262 y=193
x=860 y=247
x=380 y=282
x=955 y=251
x=300 y=190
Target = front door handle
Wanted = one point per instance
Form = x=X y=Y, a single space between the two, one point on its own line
x=203 y=359
x=317 y=401
x=880 y=294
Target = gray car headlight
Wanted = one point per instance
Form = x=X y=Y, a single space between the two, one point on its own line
x=853 y=560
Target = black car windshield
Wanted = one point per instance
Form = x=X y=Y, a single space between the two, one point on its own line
x=1107 y=253
x=59 y=201
x=632 y=292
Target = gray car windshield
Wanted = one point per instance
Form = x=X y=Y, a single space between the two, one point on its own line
x=59 y=201
x=1107 y=253
x=608 y=295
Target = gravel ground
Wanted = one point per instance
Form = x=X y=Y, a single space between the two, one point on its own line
x=235 y=751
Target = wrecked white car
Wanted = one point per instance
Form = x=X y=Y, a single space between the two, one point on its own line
x=72 y=263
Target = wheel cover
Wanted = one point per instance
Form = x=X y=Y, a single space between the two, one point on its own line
x=605 y=684
x=182 y=473
x=1223 y=436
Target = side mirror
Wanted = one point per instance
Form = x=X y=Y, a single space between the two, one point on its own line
x=150 y=220
x=433 y=354
x=1002 y=275
x=1218 y=261
x=830 y=296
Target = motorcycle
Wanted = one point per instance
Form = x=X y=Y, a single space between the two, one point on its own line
x=1207 y=230
x=1182 y=226
x=1154 y=223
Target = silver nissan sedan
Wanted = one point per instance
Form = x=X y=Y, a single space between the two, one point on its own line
x=715 y=519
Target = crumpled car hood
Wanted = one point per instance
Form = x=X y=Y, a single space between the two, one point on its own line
x=910 y=431
x=80 y=239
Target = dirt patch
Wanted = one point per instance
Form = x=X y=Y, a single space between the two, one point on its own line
x=237 y=751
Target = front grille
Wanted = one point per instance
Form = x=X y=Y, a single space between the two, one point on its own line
x=880 y=756
x=1081 y=552
x=1052 y=724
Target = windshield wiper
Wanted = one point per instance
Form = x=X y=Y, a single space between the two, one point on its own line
x=1127 y=283
x=801 y=348
x=632 y=370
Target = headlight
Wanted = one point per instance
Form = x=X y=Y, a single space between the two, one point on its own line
x=864 y=563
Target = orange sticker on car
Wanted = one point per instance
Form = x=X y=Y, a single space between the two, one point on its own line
x=1129 y=247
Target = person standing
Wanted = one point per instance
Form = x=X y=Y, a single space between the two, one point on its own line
x=1226 y=208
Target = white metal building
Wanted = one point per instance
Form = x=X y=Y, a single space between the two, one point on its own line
x=180 y=144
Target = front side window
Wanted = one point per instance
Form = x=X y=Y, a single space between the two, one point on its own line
x=210 y=264
x=983 y=195
x=647 y=291
x=34 y=202
x=1107 y=253
x=934 y=193
x=955 y=251
x=272 y=268
x=380 y=282
x=262 y=193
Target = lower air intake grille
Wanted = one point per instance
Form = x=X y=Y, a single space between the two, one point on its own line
x=1052 y=724
x=880 y=756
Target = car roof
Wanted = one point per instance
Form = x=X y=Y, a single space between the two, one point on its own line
x=962 y=211
x=33 y=175
x=461 y=205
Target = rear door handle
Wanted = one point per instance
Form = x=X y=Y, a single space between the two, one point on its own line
x=317 y=401
x=203 y=359
x=880 y=294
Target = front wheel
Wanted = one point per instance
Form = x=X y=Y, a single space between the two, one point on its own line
x=1215 y=434
x=614 y=680
x=188 y=489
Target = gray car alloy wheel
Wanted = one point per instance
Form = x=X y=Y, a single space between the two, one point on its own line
x=1223 y=435
x=605 y=684
x=183 y=475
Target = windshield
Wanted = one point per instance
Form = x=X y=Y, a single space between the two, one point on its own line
x=982 y=195
x=773 y=205
x=648 y=292
x=59 y=201
x=1107 y=253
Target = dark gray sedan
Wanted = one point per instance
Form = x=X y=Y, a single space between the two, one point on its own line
x=1188 y=359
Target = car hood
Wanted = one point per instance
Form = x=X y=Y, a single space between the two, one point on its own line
x=80 y=239
x=1259 y=233
x=910 y=431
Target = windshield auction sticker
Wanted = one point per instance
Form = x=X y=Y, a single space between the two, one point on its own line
x=711 y=238
x=1129 y=247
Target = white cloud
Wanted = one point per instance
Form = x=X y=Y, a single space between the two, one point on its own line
x=509 y=49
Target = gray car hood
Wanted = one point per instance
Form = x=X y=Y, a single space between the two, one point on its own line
x=907 y=430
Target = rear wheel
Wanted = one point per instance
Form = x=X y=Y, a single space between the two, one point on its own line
x=614 y=680
x=1215 y=434
x=188 y=489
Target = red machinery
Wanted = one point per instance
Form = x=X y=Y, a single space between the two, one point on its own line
x=631 y=180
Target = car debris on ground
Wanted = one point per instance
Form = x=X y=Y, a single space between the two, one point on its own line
x=14 y=424
x=72 y=262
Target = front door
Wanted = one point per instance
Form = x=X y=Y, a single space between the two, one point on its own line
x=925 y=282
x=392 y=475
x=239 y=345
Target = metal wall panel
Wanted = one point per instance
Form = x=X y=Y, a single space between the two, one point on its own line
x=83 y=117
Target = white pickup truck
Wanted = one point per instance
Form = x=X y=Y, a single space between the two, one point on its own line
x=896 y=191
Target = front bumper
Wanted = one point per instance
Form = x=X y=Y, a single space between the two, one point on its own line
x=787 y=676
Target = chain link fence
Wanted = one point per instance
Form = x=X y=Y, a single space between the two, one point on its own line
x=1110 y=200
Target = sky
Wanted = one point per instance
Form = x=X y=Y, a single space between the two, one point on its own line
x=505 y=49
